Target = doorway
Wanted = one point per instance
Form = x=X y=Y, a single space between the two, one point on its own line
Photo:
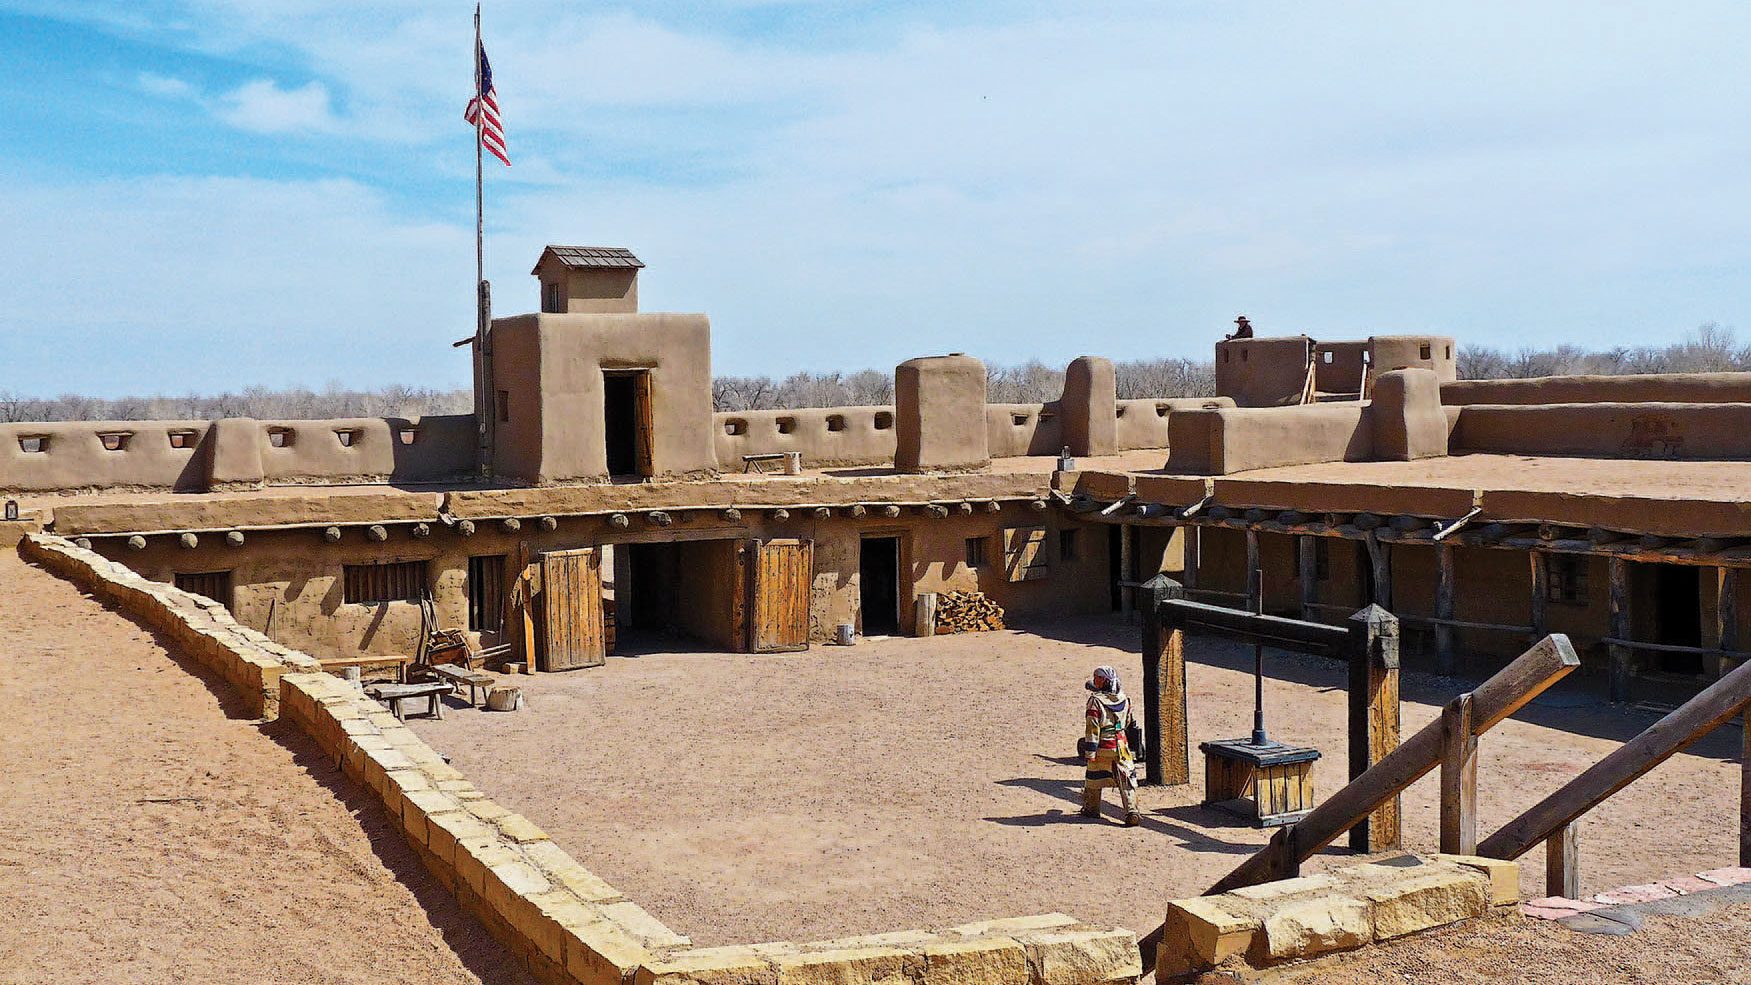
x=675 y=596
x=878 y=585
x=1677 y=592
x=626 y=422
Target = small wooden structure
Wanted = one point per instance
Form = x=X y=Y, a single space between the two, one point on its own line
x=1270 y=785
x=396 y=695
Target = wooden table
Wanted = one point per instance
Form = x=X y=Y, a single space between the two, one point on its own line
x=394 y=694
x=1270 y=785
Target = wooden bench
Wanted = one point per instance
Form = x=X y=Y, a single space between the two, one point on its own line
x=459 y=677
x=790 y=462
x=394 y=695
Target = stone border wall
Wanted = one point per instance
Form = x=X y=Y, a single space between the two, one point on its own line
x=565 y=923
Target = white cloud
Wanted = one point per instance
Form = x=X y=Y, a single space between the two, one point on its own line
x=164 y=86
x=261 y=106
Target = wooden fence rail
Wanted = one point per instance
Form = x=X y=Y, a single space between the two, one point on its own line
x=1552 y=819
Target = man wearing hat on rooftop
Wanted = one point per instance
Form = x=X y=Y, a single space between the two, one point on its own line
x=1110 y=763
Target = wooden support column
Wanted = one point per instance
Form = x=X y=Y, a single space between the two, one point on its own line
x=1166 y=755
x=1254 y=586
x=1380 y=556
x=1540 y=588
x=1126 y=595
x=1745 y=791
x=1562 y=863
x=1621 y=656
x=1307 y=564
x=1727 y=615
x=1374 y=717
x=1193 y=556
x=1444 y=655
x=1459 y=779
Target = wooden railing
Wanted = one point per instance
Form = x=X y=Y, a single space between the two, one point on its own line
x=1553 y=819
x=1449 y=742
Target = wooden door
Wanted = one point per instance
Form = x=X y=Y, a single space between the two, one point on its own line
x=646 y=437
x=780 y=577
x=572 y=633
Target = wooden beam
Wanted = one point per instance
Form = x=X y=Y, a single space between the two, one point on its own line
x=1125 y=565
x=1548 y=661
x=1726 y=614
x=1540 y=563
x=1618 y=606
x=1374 y=719
x=1714 y=707
x=1268 y=629
x=1444 y=655
x=1459 y=779
x=1254 y=588
x=1193 y=557
x=1562 y=863
x=1167 y=753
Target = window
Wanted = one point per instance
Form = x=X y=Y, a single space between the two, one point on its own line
x=486 y=587
x=1567 y=579
x=503 y=404
x=1018 y=419
x=1119 y=411
x=347 y=436
x=735 y=427
x=114 y=440
x=182 y=439
x=215 y=585
x=786 y=425
x=280 y=437
x=1024 y=558
x=34 y=444
x=1328 y=356
x=884 y=420
x=392 y=581
x=1066 y=545
x=1161 y=410
x=835 y=422
x=975 y=552
x=1424 y=351
x=408 y=436
x=551 y=298
x=1321 y=559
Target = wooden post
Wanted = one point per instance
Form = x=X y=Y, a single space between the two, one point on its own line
x=1727 y=615
x=1307 y=563
x=1621 y=656
x=1253 y=580
x=1166 y=755
x=1374 y=717
x=1444 y=656
x=1459 y=779
x=1745 y=791
x=1193 y=555
x=1540 y=588
x=1380 y=556
x=1125 y=594
x=1562 y=863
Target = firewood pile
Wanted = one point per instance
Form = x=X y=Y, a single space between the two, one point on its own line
x=967 y=612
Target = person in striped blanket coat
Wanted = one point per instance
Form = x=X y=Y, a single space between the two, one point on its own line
x=1110 y=763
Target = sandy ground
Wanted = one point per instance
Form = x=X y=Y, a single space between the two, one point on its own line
x=262 y=866
x=1711 y=949
x=906 y=783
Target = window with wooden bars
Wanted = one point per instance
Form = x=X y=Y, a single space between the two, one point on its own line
x=1024 y=556
x=486 y=588
x=215 y=585
x=391 y=581
x=975 y=552
x=1567 y=581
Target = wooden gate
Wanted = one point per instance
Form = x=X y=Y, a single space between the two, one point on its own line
x=780 y=578
x=572 y=633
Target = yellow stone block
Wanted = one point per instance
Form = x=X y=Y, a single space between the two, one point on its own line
x=1015 y=925
x=1424 y=900
x=1199 y=933
x=508 y=885
x=561 y=868
x=1083 y=957
x=650 y=931
x=517 y=828
x=602 y=954
x=475 y=854
x=738 y=965
x=978 y=961
x=1311 y=927
x=487 y=810
x=1504 y=876
x=849 y=966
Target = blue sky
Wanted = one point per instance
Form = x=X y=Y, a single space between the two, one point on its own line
x=204 y=195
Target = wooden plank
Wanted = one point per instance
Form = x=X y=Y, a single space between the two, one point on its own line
x=1709 y=710
x=1562 y=863
x=645 y=441
x=1548 y=661
x=741 y=574
x=1307 y=573
x=1193 y=558
x=1620 y=656
x=1540 y=565
x=1445 y=658
x=1459 y=779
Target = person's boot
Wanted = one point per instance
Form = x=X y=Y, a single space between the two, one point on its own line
x=1133 y=819
x=1088 y=811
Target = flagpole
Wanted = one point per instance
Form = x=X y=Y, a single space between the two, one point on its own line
x=483 y=388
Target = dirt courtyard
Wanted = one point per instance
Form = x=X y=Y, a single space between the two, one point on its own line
x=909 y=783
x=152 y=838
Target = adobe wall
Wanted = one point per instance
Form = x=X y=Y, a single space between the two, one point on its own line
x=1607 y=430
x=235 y=452
x=940 y=403
x=1262 y=372
x=824 y=436
x=1338 y=366
x=1431 y=352
x=1687 y=388
x=1143 y=423
x=1023 y=429
x=1219 y=442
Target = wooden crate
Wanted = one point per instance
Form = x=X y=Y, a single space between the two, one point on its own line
x=1269 y=785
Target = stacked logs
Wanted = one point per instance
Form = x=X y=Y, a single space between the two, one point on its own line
x=967 y=612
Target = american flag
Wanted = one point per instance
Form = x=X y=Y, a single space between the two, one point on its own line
x=492 y=131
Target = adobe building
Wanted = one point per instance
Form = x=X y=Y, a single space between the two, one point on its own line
x=622 y=509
